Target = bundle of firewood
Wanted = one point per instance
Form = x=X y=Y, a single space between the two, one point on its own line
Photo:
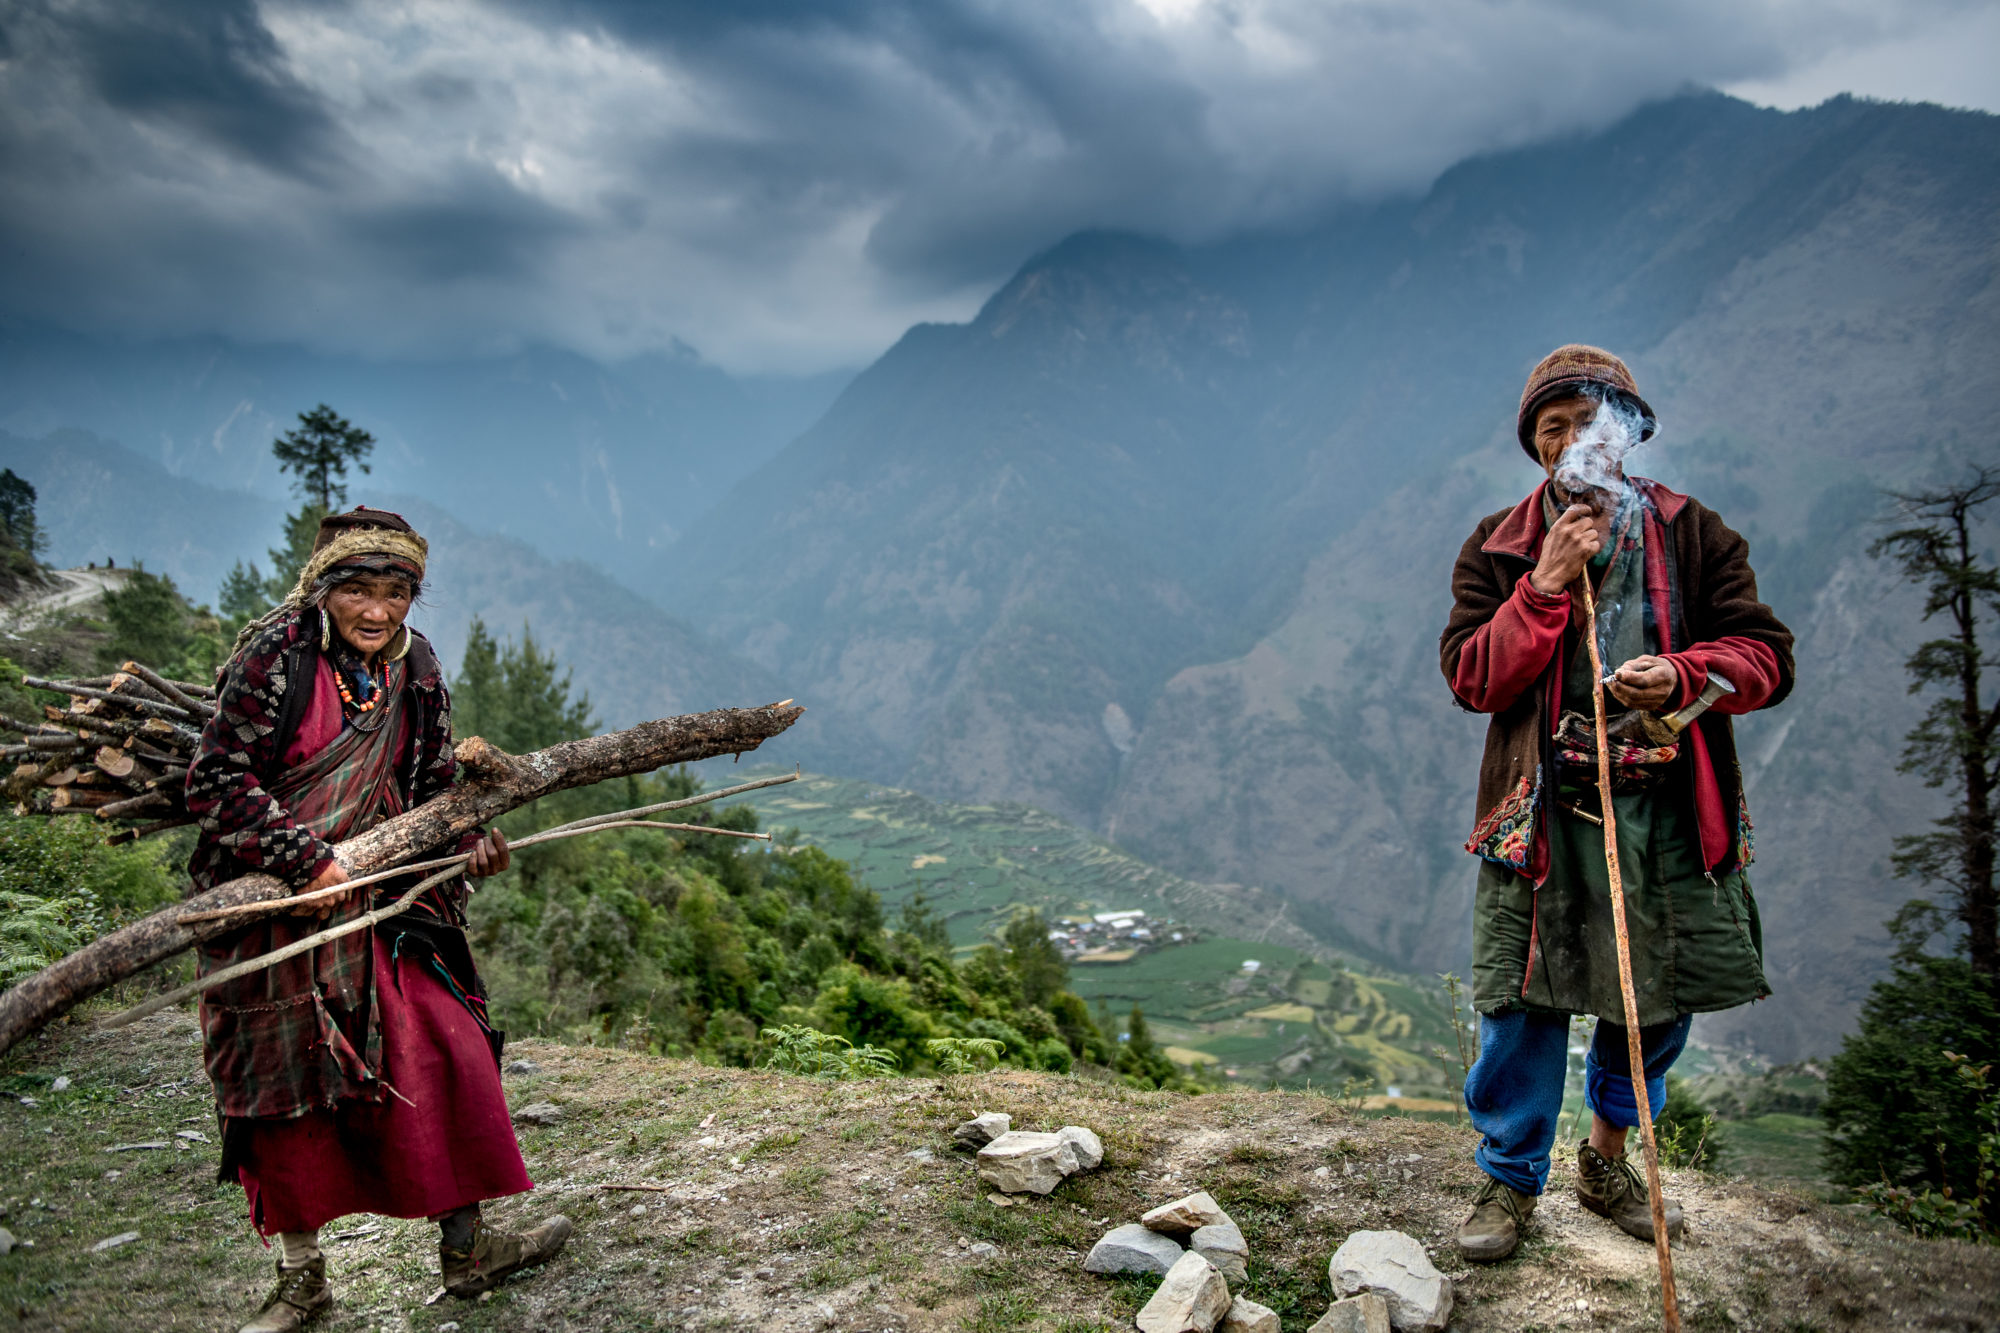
x=120 y=751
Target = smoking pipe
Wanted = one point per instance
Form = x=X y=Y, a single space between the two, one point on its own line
x=1657 y=730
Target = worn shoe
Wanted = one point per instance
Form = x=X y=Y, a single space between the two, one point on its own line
x=495 y=1254
x=300 y=1295
x=1613 y=1187
x=1499 y=1220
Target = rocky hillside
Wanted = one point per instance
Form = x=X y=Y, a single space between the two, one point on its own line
x=1160 y=541
x=784 y=1204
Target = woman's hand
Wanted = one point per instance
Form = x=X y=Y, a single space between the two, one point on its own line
x=334 y=874
x=1645 y=682
x=1570 y=543
x=490 y=857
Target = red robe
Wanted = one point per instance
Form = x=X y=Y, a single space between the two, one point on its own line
x=440 y=1140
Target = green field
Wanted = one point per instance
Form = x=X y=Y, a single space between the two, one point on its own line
x=1305 y=1014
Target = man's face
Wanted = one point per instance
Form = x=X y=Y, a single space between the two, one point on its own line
x=368 y=612
x=1558 y=423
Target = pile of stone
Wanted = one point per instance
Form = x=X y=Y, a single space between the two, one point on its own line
x=1385 y=1279
x=1018 y=1161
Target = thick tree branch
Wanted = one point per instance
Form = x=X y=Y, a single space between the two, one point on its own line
x=491 y=782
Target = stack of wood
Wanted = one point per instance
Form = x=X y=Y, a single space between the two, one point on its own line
x=120 y=751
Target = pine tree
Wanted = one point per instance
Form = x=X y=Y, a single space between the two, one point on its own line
x=17 y=512
x=301 y=531
x=318 y=453
x=1037 y=964
x=1956 y=743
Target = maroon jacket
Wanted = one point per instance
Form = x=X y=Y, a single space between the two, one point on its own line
x=1506 y=647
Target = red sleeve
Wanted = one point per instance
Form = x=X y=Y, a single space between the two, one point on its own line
x=1503 y=657
x=1751 y=665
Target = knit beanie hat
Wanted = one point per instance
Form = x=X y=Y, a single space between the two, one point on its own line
x=1573 y=369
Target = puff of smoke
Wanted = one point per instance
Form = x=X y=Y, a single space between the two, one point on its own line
x=1592 y=472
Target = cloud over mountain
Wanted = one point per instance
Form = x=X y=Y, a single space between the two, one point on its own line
x=783 y=185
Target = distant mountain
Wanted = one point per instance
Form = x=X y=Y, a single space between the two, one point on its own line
x=601 y=462
x=98 y=500
x=1160 y=541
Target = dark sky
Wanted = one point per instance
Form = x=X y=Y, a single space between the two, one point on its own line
x=788 y=186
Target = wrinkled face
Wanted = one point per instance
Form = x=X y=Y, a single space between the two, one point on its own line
x=368 y=612
x=1558 y=423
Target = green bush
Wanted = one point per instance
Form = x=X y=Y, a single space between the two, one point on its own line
x=1899 y=1113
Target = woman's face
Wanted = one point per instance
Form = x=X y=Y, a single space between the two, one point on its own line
x=368 y=612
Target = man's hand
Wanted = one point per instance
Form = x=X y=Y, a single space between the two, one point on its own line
x=490 y=857
x=334 y=874
x=1571 y=541
x=1646 y=682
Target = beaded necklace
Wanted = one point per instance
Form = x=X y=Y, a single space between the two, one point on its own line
x=373 y=691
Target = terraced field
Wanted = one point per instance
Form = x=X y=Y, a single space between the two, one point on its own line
x=1249 y=991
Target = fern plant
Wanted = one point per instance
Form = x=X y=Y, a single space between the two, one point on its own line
x=961 y=1055
x=803 y=1050
x=35 y=932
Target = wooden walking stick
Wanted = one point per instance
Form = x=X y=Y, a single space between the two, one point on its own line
x=1669 y=1301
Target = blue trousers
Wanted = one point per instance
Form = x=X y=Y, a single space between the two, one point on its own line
x=1515 y=1090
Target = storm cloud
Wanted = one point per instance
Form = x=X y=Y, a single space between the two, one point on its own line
x=783 y=186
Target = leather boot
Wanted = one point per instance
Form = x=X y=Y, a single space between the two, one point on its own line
x=495 y=1254
x=1613 y=1187
x=1499 y=1219
x=300 y=1295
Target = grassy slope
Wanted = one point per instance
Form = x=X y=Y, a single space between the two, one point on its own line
x=793 y=1205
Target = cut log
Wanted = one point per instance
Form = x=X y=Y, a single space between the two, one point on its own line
x=118 y=763
x=62 y=777
x=79 y=798
x=492 y=783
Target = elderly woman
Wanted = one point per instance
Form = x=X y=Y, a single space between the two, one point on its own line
x=362 y=1077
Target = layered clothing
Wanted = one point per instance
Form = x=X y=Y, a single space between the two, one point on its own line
x=372 y=1051
x=1542 y=922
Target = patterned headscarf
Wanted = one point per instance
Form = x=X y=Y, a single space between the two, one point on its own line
x=362 y=543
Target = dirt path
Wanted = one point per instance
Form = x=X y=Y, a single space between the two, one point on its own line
x=795 y=1205
x=68 y=588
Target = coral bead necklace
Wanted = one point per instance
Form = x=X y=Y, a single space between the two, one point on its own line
x=374 y=691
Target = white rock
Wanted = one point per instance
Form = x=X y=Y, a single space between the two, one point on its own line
x=921 y=1155
x=982 y=1129
x=1019 y=1162
x=523 y=1067
x=7 y=1241
x=982 y=1250
x=61 y=1083
x=1089 y=1148
x=1191 y=1299
x=1222 y=1244
x=191 y=1135
x=113 y=1242
x=1366 y=1313
x=1394 y=1266
x=1133 y=1249
x=1196 y=1210
x=539 y=1113
x=1245 y=1316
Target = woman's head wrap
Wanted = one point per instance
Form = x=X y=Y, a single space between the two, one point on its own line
x=362 y=543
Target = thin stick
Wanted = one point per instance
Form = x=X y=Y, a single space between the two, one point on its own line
x=168 y=688
x=702 y=799
x=262 y=961
x=146 y=830
x=133 y=701
x=650 y=1189
x=1634 y=1052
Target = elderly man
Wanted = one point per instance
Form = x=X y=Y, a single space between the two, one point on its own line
x=1680 y=621
x=363 y=1076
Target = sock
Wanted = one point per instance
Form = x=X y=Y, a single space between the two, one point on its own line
x=456 y=1227
x=298 y=1248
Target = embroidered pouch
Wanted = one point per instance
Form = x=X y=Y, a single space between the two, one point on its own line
x=1507 y=834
